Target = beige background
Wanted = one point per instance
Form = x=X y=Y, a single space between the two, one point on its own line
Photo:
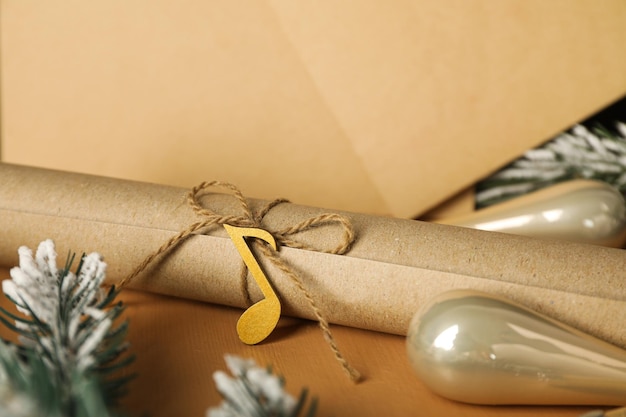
x=376 y=107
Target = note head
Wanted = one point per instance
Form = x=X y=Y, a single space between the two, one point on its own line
x=259 y=321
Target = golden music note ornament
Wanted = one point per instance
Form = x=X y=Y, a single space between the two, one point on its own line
x=261 y=318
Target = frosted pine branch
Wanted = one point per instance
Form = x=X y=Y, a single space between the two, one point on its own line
x=580 y=153
x=255 y=392
x=68 y=343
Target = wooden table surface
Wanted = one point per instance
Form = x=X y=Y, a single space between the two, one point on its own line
x=180 y=343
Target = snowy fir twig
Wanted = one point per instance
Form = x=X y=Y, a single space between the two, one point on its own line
x=70 y=351
x=591 y=153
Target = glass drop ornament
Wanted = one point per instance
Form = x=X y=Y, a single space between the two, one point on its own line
x=479 y=348
x=581 y=211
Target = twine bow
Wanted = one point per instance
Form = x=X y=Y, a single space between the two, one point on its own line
x=282 y=236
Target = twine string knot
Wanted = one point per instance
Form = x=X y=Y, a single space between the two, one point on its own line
x=283 y=237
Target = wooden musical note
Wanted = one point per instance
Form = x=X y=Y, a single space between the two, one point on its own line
x=260 y=319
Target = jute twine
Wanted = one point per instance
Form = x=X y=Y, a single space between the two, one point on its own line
x=282 y=237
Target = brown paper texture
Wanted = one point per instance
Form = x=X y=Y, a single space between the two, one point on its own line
x=385 y=107
x=393 y=268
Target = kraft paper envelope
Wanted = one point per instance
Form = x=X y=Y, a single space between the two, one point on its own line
x=385 y=107
x=393 y=268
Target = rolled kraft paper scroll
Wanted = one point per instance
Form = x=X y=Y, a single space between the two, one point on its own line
x=394 y=266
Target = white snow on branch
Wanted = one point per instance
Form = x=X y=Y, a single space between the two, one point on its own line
x=58 y=302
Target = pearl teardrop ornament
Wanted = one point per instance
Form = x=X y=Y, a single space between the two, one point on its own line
x=478 y=348
x=579 y=210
